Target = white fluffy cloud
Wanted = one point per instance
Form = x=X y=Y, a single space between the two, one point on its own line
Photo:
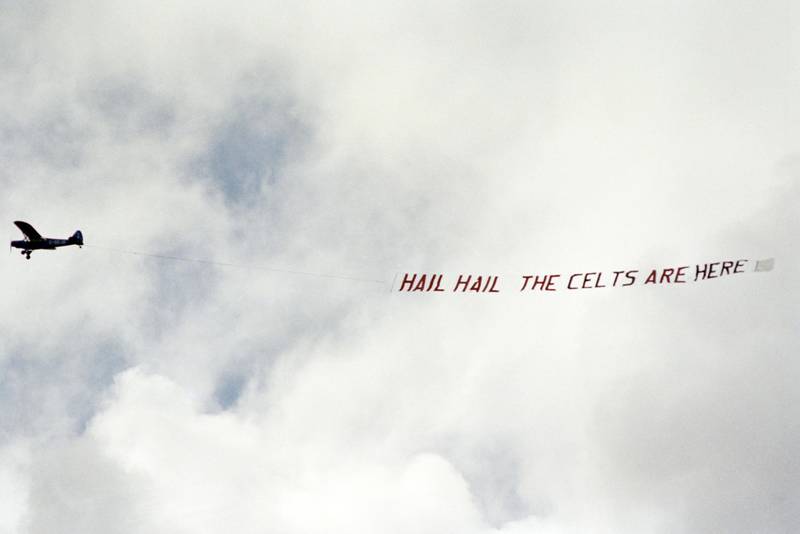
x=145 y=395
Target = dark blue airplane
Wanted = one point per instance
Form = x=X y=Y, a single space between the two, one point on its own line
x=34 y=241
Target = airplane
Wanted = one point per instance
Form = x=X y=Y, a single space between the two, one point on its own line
x=34 y=240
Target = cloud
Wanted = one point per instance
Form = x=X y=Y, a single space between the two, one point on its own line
x=135 y=466
x=145 y=395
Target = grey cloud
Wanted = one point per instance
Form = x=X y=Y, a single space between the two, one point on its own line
x=74 y=486
x=53 y=391
x=229 y=389
x=130 y=111
x=249 y=150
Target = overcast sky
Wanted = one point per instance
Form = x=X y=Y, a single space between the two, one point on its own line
x=366 y=139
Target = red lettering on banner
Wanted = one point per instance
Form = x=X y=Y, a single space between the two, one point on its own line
x=408 y=283
x=542 y=283
x=698 y=271
x=420 y=284
x=493 y=281
x=476 y=286
x=550 y=281
x=462 y=283
x=569 y=284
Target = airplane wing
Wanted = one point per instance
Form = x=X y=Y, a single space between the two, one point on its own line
x=29 y=231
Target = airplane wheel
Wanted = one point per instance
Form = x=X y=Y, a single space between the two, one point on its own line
x=27 y=256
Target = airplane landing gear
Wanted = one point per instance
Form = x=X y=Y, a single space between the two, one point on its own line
x=27 y=254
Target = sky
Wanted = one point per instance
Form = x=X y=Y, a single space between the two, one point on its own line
x=370 y=139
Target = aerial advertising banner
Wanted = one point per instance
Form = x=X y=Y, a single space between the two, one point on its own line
x=575 y=281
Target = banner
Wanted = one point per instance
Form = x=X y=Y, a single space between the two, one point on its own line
x=576 y=281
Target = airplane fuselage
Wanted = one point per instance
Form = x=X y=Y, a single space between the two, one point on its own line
x=45 y=244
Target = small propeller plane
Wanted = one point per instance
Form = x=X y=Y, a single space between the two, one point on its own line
x=34 y=240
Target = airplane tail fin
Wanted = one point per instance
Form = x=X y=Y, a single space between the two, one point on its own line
x=77 y=238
